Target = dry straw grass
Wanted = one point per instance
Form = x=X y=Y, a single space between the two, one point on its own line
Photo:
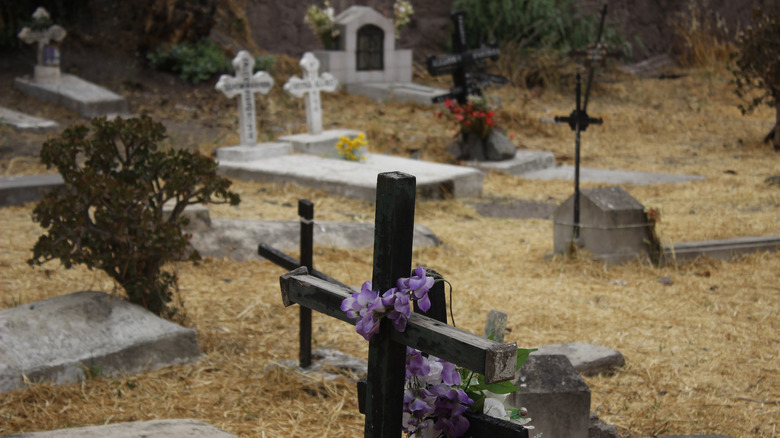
x=702 y=352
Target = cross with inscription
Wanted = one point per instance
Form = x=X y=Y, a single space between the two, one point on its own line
x=579 y=120
x=44 y=37
x=311 y=85
x=245 y=85
x=384 y=389
x=464 y=65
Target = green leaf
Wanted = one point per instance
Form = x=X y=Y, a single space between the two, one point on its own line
x=522 y=356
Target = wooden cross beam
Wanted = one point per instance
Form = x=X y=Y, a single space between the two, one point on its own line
x=387 y=349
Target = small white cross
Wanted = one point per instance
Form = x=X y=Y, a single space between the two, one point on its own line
x=245 y=85
x=43 y=37
x=311 y=84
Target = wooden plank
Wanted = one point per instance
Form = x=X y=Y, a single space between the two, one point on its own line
x=495 y=361
x=281 y=259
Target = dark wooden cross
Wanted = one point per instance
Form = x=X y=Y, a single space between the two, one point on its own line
x=393 y=235
x=464 y=65
x=579 y=120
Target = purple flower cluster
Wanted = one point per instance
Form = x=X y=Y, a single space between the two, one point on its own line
x=369 y=307
x=433 y=397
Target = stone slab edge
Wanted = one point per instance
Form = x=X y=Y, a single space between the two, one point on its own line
x=177 y=428
x=16 y=190
x=96 y=100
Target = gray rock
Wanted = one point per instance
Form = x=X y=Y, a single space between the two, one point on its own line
x=474 y=148
x=498 y=147
x=599 y=429
x=60 y=339
x=587 y=359
x=557 y=398
x=180 y=428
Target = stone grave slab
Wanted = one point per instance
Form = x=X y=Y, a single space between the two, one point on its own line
x=557 y=398
x=15 y=190
x=725 y=249
x=242 y=153
x=402 y=92
x=25 y=122
x=85 y=98
x=178 y=428
x=522 y=163
x=322 y=144
x=587 y=359
x=55 y=340
x=330 y=364
x=358 y=179
x=609 y=176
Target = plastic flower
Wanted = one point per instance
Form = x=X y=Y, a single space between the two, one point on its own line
x=401 y=307
x=419 y=284
x=367 y=306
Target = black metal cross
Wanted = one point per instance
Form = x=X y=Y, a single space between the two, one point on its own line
x=579 y=120
x=387 y=349
x=464 y=65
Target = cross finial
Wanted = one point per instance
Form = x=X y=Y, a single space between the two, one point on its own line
x=244 y=84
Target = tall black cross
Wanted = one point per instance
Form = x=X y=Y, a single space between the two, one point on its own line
x=579 y=120
x=387 y=349
x=464 y=65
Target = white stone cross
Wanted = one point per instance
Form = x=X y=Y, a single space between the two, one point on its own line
x=311 y=84
x=43 y=37
x=244 y=84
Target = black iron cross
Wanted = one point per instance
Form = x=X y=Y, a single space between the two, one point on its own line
x=387 y=349
x=579 y=120
x=464 y=65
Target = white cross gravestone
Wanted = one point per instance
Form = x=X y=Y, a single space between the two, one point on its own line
x=311 y=85
x=48 y=65
x=245 y=85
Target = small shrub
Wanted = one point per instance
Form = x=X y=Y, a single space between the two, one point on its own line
x=702 y=36
x=110 y=216
x=757 y=68
x=193 y=62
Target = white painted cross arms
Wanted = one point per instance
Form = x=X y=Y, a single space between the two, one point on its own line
x=244 y=84
x=43 y=36
x=311 y=85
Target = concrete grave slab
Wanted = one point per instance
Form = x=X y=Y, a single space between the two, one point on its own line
x=259 y=151
x=524 y=162
x=557 y=398
x=587 y=359
x=358 y=179
x=610 y=176
x=55 y=340
x=725 y=249
x=403 y=92
x=15 y=190
x=85 y=98
x=179 y=428
x=327 y=360
x=322 y=144
x=25 y=122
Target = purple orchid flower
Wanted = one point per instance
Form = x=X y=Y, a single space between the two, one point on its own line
x=419 y=284
x=416 y=364
x=367 y=307
x=401 y=307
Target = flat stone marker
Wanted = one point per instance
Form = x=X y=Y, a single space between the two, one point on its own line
x=310 y=86
x=179 y=428
x=55 y=340
x=15 y=190
x=404 y=92
x=587 y=359
x=557 y=398
x=609 y=176
x=26 y=122
x=244 y=85
x=358 y=179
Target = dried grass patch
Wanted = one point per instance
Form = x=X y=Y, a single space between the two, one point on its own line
x=702 y=353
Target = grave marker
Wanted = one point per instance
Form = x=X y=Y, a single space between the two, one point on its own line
x=311 y=85
x=464 y=65
x=48 y=61
x=392 y=260
x=579 y=120
x=244 y=84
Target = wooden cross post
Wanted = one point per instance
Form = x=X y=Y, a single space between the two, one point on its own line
x=311 y=85
x=387 y=349
x=464 y=65
x=245 y=85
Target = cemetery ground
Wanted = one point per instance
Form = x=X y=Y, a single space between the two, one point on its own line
x=700 y=338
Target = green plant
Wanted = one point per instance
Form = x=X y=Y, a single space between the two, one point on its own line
x=702 y=36
x=757 y=68
x=265 y=63
x=109 y=215
x=194 y=62
x=321 y=22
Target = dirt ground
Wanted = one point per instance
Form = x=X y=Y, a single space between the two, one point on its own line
x=701 y=349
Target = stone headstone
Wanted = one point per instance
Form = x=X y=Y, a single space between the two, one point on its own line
x=310 y=85
x=47 y=68
x=245 y=84
x=366 y=50
x=58 y=340
x=555 y=395
x=179 y=428
x=613 y=226
x=495 y=325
